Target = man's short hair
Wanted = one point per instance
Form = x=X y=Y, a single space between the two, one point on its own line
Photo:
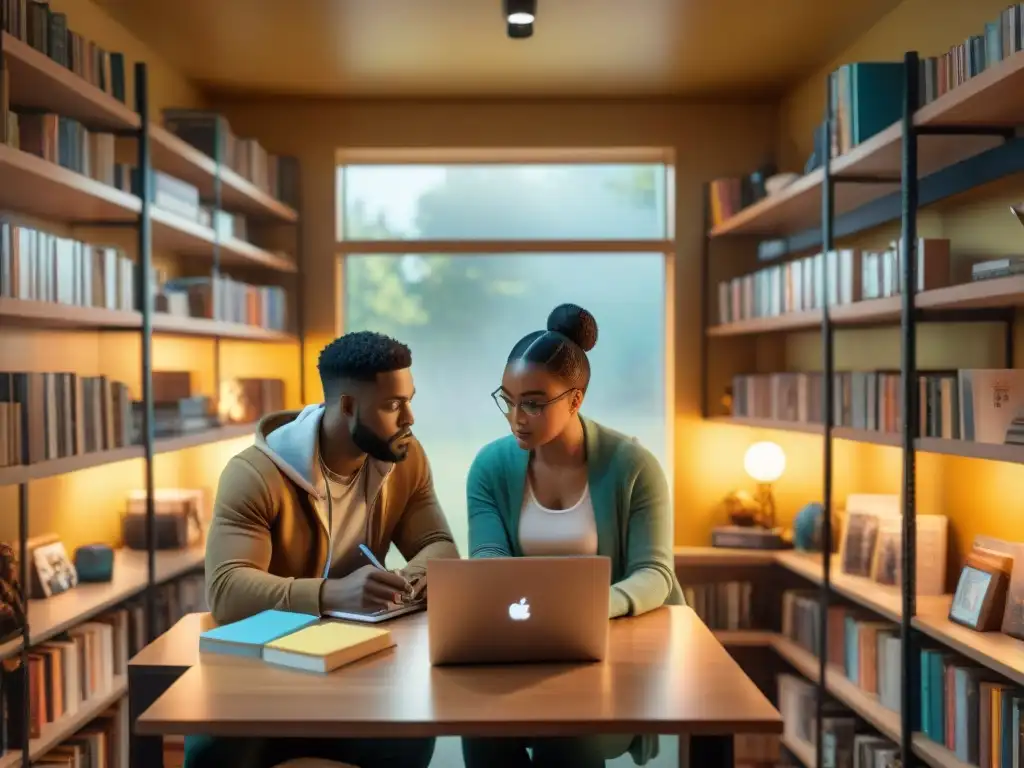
x=360 y=356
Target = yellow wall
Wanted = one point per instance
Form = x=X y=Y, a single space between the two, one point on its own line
x=978 y=223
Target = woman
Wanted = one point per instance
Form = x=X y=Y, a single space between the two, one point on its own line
x=562 y=484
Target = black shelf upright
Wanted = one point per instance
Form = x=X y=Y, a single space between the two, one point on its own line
x=144 y=292
x=828 y=221
x=218 y=201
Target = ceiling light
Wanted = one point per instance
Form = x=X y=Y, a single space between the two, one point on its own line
x=519 y=17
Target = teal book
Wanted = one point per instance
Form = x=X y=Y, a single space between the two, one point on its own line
x=248 y=636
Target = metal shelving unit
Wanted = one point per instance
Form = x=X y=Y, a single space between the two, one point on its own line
x=1005 y=156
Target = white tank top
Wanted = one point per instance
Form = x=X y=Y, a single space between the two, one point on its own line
x=544 y=531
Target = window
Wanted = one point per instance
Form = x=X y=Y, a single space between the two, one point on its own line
x=462 y=312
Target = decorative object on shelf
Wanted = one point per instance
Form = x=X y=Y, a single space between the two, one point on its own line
x=54 y=569
x=178 y=518
x=246 y=400
x=752 y=518
x=94 y=563
x=775 y=184
x=980 y=597
x=807 y=528
x=1013 y=613
x=12 y=599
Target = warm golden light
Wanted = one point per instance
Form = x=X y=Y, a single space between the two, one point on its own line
x=764 y=462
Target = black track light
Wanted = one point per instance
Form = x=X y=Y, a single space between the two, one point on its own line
x=519 y=18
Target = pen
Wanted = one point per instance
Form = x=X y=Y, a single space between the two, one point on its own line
x=371 y=557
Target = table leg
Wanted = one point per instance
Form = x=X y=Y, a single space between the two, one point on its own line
x=706 y=751
x=145 y=686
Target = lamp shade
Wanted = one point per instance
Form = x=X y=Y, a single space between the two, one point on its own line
x=764 y=462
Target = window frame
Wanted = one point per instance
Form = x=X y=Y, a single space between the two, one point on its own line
x=667 y=246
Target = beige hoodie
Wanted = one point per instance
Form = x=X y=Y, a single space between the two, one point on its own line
x=268 y=543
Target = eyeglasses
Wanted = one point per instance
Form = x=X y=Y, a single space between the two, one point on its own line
x=529 y=407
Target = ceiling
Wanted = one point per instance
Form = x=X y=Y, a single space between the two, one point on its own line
x=458 y=48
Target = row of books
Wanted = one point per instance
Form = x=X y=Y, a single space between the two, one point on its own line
x=222 y=298
x=847 y=740
x=46 y=416
x=48 y=32
x=211 y=134
x=865 y=650
x=84 y=663
x=979 y=405
x=722 y=605
x=852 y=275
x=1001 y=39
x=36 y=265
x=728 y=196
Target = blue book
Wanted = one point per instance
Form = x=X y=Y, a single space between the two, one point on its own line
x=248 y=636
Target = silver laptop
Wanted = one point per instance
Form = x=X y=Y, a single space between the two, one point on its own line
x=518 y=609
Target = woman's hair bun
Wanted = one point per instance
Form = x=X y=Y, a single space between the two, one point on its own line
x=576 y=323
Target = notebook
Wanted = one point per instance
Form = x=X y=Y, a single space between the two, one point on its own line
x=326 y=646
x=417 y=601
x=248 y=636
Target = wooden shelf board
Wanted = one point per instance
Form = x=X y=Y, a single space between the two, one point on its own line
x=49 y=617
x=871 y=436
x=1011 y=454
x=180 y=159
x=190 y=238
x=936 y=755
x=33 y=186
x=785 y=426
x=53 y=315
x=990 y=98
x=792 y=321
x=59 y=730
x=979 y=294
x=241 y=195
x=201 y=326
x=37 y=81
x=870 y=311
x=722 y=556
x=24 y=473
x=802 y=750
x=747 y=638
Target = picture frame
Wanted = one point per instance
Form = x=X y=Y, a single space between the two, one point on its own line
x=54 y=569
x=857 y=545
x=980 y=596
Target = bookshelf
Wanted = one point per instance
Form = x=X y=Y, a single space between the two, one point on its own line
x=44 y=195
x=956 y=143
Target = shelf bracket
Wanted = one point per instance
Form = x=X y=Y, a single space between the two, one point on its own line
x=980 y=315
x=106 y=224
x=867 y=179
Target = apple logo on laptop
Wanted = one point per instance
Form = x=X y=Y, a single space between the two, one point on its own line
x=519 y=611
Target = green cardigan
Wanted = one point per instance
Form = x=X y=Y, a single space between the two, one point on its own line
x=631 y=509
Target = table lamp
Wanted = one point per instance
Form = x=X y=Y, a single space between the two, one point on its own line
x=765 y=462
x=753 y=518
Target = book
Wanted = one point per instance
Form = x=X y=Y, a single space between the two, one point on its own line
x=248 y=636
x=326 y=646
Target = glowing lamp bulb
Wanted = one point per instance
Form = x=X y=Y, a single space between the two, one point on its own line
x=764 y=462
x=520 y=17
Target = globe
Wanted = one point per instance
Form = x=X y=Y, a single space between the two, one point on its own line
x=807 y=528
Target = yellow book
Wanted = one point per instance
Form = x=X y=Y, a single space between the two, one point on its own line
x=326 y=646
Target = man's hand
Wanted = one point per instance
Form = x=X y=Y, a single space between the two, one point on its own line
x=366 y=590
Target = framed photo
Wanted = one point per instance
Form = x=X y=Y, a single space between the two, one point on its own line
x=54 y=569
x=857 y=546
x=981 y=591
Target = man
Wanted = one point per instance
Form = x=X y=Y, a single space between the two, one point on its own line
x=293 y=509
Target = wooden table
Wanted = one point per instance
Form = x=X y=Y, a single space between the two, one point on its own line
x=665 y=674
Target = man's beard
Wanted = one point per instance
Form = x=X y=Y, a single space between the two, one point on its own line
x=372 y=444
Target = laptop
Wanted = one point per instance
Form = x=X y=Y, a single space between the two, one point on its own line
x=518 y=609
